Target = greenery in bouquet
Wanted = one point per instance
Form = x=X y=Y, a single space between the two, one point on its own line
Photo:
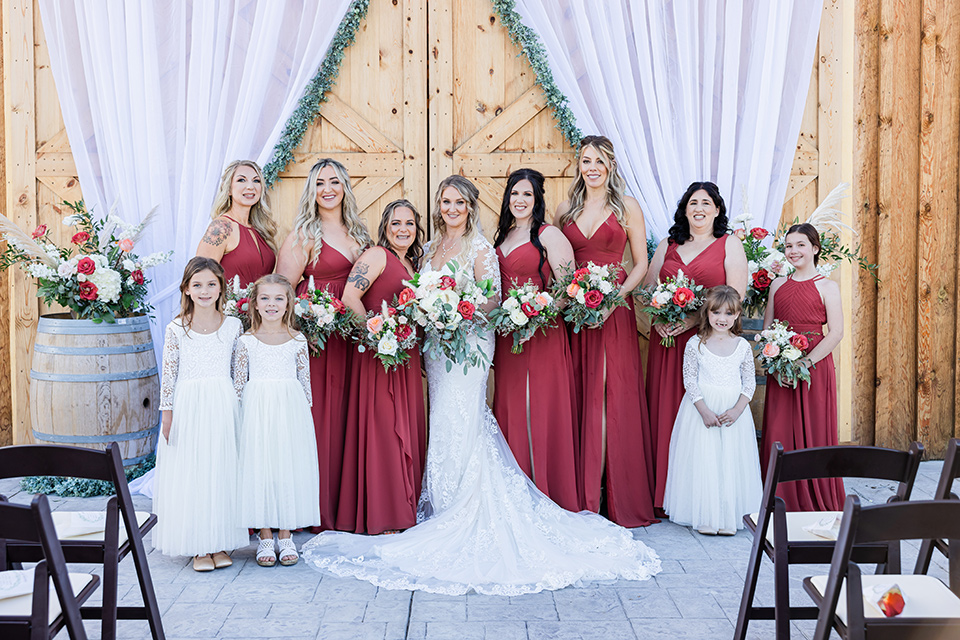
x=764 y=264
x=587 y=293
x=671 y=301
x=238 y=302
x=321 y=314
x=781 y=353
x=525 y=310
x=389 y=334
x=99 y=277
x=446 y=303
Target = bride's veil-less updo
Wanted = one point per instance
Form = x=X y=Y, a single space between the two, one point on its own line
x=471 y=194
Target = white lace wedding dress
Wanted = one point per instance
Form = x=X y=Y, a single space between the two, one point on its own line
x=483 y=526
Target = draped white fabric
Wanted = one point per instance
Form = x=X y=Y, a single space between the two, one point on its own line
x=687 y=90
x=159 y=96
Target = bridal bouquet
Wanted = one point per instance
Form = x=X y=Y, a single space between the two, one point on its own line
x=525 y=310
x=446 y=304
x=104 y=280
x=781 y=352
x=587 y=293
x=322 y=314
x=671 y=301
x=389 y=335
x=238 y=302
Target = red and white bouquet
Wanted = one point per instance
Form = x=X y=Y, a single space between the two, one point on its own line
x=525 y=310
x=446 y=303
x=671 y=301
x=389 y=335
x=781 y=351
x=322 y=314
x=238 y=302
x=585 y=294
x=764 y=264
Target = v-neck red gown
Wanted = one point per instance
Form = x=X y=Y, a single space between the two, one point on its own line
x=386 y=436
x=608 y=377
x=806 y=416
x=252 y=259
x=329 y=381
x=665 y=364
x=545 y=448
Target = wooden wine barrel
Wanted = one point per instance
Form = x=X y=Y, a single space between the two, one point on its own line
x=92 y=384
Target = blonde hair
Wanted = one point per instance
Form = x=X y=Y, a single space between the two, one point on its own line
x=720 y=297
x=472 y=195
x=288 y=316
x=308 y=225
x=195 y=266
x=615 y=185
x=261 y=217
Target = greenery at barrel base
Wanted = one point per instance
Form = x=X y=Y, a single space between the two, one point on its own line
x=82 y=487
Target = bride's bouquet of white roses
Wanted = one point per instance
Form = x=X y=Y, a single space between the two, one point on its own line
x=446 y=303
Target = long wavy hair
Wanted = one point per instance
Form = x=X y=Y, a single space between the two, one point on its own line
x=195 y=266
x=471 y=194
x=308 y=225
x=680 y=231
x=615 y=186
x=717 y=299
x=415 y=250
x=812 y=234
x=261 y=216
x=288 y=315
x=538 y=216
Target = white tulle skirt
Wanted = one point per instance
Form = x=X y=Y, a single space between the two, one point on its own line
x=279 y=475
x=713 y=477
x=196 y=489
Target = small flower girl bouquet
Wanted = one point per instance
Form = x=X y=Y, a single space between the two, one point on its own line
x=781 y=350
x=389 y=335
x=525 y=310
x=588 y=292
x=238 y=302
x=322 y=314
x=446 y=304
x=671 y=301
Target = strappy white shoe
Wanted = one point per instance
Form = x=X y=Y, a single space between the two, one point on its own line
x=288 y=549
x=266 y=553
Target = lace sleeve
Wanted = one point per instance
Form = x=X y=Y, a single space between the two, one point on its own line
x=748 y=372
x=171 y=367
x=241 y=367
x=303 y=368
x=691 y=369
x=486 y=265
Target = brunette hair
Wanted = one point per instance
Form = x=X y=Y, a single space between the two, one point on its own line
x=615 y=185
x=812 y=234
x=288 y=316
x=717 y=298
x=680 y=231
x=471 y=194
x=415 y=251
x=261 y=217
x=507 y=220
x=195 y=266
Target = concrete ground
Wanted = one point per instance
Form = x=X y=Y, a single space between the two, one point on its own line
x=697 y=594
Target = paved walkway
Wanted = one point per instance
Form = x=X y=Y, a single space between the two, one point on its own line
x=696 y=596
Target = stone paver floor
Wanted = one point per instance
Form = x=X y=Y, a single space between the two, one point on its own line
x=697 y=594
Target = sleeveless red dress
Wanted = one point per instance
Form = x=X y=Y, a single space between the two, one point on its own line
x=665 y=364
x=329 y=381
x=803 y=417
x=611 y=350
x=546 y=448
x=252 y=259
x=386 y=435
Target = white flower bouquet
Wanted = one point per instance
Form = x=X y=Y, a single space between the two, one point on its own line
x=525 y=310
x=781 y=351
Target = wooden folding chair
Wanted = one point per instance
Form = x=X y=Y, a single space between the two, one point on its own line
x=26 y=609
x=932 y=610
x=786 y=542
x=92 y=537
x=950 y=472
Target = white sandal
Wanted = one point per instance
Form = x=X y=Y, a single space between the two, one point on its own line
x=266 y=553
x=288 y=548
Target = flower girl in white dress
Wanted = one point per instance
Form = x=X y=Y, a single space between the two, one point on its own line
x=279 y=476
x=195 y=497
x=713 y=477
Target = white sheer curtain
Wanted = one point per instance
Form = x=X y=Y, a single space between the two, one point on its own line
x=687 y=90
x=158 y=96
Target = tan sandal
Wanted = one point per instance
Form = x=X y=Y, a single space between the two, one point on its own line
x=221 y=560
x=203 y=563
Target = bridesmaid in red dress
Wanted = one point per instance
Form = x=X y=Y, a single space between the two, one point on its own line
x=386 y=437
x=615 y=446
x=534 y=397
x=697 y=243
x=242 y=235
x=806 y=416
x=326 y=240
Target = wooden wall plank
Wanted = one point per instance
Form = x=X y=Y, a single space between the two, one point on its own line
x=6 y=404
x=415 y=184
x=440 y=101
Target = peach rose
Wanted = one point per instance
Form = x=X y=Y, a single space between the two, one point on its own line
x=573 y=289
x=126 y=245
x=771 y=350
x=375 y=324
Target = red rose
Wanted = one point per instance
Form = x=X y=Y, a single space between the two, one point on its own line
x=800 y=342
x=137 y=276
x=528 y=310
x=242 y=304
x=761 y=279
x=446 y=282
x=466 y=309
x=88 y=290
x=305 y=296
x=682 y=297
x=580 y=274
x=592 y=299
x=406 y=297
x=80 y=237
x=403 y=332
x=39 y=232
x=86 y=266
x=759 y=233
x=338 y=305
x=392 y=311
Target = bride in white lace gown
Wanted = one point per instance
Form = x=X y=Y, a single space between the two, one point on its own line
x=482 y=524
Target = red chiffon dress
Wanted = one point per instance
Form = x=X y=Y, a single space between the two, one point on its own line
x=545 y=448
x=806 y=416
x=612 y=351
x=665 y=364
x=252 y=259
x=386 y=435
x=329 y=381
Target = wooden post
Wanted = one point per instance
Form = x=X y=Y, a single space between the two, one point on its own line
x=6 y=405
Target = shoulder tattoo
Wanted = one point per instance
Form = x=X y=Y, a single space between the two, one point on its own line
x=218 y=232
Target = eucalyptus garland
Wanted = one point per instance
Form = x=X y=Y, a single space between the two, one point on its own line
x=530 y=45
x=82 y=487
x=308 y=108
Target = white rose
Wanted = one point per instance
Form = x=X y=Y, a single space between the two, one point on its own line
x=510 y=304
x=67 y=269
x=581 y=297
x=387 y=344
x=519 y=318
x=791 y=353
x=605 y=287
x=128 y=265
x=662 y=298
x=71 y=220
